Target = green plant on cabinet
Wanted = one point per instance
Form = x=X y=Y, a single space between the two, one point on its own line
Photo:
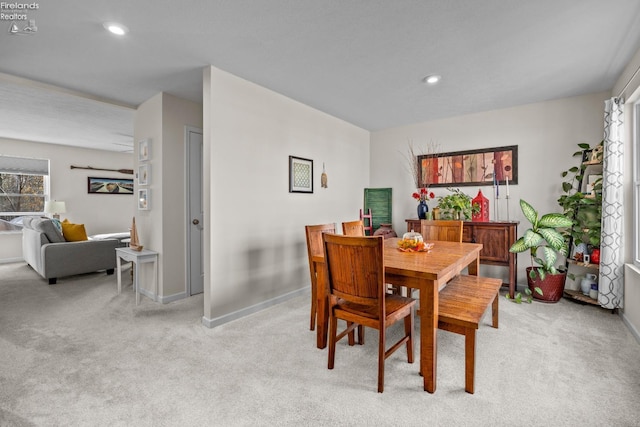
x=457 y=205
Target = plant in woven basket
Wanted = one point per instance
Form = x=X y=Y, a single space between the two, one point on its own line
x=544 y=241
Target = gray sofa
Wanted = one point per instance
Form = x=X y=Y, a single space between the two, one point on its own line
x=50 y=255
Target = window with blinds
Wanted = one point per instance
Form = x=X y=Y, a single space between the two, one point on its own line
x=23 y=189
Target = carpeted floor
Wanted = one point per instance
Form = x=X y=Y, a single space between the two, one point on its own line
x=78 y=354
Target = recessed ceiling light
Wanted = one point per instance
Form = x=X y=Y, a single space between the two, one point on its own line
x=432 y=79
x=116 y=28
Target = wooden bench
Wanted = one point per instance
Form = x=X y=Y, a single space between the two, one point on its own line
x=462 y=304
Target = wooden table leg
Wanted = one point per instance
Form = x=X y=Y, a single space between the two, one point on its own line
x=428 y=335
x=322 y=315
x=119 y=272
x=474 y=267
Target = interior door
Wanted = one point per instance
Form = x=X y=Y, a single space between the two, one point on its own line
x=195 y=264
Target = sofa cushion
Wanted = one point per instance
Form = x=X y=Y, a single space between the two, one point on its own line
x=57 y=223
x=46 y=226
x=73 y=232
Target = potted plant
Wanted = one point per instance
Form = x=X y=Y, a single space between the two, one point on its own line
x=457 y=205
x=544 y=241
x=584 y=207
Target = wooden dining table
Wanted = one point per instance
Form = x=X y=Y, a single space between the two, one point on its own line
x=428 y=272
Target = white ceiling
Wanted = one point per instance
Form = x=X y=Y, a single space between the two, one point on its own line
x=359 y=60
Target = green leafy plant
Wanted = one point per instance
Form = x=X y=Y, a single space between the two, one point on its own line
x=584 y=208
x=543 y=240
x=456 y=204
x=517 y=298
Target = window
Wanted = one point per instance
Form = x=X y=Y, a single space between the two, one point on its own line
x=24 y=185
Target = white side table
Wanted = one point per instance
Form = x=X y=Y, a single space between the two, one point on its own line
x=137 y=257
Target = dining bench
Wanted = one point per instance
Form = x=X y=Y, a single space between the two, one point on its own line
x=462 y=304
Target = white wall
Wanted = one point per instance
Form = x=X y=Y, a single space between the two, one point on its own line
x=546 y=134
x=163 y=227
x=101 y=213
x=256 y=250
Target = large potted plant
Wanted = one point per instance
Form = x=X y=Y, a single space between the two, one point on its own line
x=544 y=241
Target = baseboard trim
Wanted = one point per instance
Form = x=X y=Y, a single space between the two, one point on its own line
x=11 y=260
x=217 y=321
x=632 y=328
x=164 y=299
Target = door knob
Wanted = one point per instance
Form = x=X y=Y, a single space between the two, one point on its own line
x=195 y=222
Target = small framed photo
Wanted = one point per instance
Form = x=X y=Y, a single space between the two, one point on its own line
x=143 y=199
x=144 y=150
x=300 y=175
x=144 y=177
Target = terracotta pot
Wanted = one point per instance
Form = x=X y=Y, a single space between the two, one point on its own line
x=552 y=286
x=386 y=231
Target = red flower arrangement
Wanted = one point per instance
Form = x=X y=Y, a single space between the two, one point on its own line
x=424 y=195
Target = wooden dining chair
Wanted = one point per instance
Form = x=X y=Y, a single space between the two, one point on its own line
x=357 y=228
x=353 y=228
x=443 y=230
x=357 y=295
x=314 y=248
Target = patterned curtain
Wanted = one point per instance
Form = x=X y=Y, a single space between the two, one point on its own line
x=610 y=287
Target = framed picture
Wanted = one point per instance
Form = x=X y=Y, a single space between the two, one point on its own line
x=144 y=150
x=488 y=166
x=143 y=199
x=109 y=185
x=300 y=175
x=144 y=172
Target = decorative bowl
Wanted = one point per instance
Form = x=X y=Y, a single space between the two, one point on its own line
x=414 y=246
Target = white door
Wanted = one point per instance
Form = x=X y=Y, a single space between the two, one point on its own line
x=195 y=264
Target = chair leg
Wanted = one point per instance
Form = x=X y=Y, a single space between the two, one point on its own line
x=352 y=335
x=381 y=358
x=333 y=326
x=408 y=331
x=360 y=334
x=469 y=359
x=314 y=307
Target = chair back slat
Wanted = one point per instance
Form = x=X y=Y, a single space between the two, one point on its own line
x=443 y=230
x=353 y=228
x=314 y=238
x=355 y=268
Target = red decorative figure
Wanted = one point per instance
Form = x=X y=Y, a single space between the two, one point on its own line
x=483 y=202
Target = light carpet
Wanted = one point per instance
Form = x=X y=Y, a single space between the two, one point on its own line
x=78 y=354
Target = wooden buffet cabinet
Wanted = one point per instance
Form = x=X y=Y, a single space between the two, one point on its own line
x=496 y=238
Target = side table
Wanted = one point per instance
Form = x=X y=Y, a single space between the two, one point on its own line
x=137 y=257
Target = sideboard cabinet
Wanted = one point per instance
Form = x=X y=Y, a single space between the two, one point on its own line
x=496 y=238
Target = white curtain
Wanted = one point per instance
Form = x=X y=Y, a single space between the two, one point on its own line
x=611 y=280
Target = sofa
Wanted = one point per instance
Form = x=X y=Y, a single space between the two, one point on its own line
x=51 y=255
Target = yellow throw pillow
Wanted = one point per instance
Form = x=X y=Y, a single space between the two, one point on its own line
x=73 y=232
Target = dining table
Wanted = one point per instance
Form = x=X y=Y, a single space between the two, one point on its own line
x=428 y=272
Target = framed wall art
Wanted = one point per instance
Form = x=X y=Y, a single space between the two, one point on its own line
x=300 y=175
x=109 y=185
x=144 y=150
x=143 y=199
x=486 y=166
x=144 y=172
